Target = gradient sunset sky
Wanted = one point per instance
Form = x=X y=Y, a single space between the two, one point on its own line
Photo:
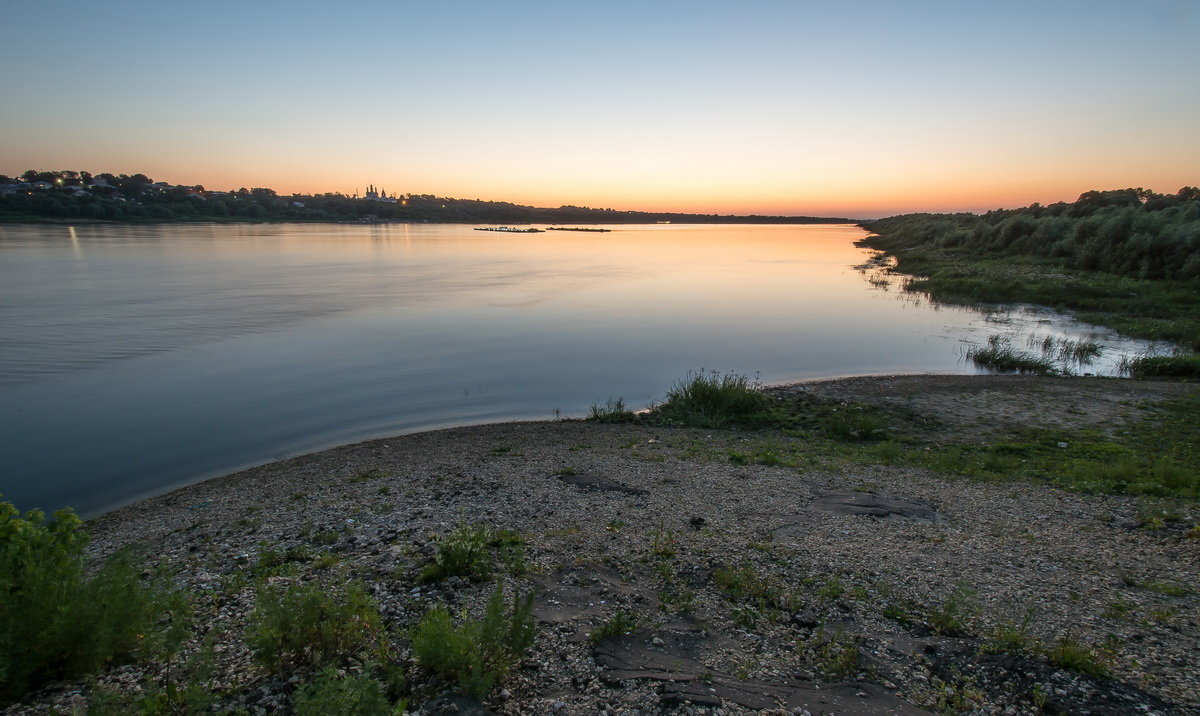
x=858 y=109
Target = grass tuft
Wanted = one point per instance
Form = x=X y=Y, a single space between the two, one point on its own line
x=613 y=411
x=1184 y=365
x=999 y=355
x=715 y=400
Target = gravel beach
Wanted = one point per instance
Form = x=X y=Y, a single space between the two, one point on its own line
x=816 y=584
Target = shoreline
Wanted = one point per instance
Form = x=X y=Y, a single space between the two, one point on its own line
x=652 y=521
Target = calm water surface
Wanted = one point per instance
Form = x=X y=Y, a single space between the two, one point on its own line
x=134 y=359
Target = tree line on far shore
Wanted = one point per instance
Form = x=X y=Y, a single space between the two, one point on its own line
x=66 y=195
x=1127 y=232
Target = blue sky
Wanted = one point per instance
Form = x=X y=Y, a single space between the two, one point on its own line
x=850 y=108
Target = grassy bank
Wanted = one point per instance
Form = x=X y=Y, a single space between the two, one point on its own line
x=1126 y=259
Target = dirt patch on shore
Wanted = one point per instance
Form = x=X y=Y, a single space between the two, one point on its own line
x=825 y=586
x=975 y=408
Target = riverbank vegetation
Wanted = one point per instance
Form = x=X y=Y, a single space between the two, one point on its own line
x=72 y=196
x=1127 y=259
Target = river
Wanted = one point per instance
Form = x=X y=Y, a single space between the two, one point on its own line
x=134 y=359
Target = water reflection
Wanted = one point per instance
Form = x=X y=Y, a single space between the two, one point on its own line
x=139 y=357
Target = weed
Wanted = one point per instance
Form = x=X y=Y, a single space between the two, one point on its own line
x=1162 y=615
x=1010 y=638
x=475 y=654
x=1175 y=366
x=470 y=551
x=325 y=560
x=663 y=543
x=311 y=624
x=999 y=355
x=951 y=616
x=331 y=694
x=613 y=411
x=836 y=656
x=54 y=623
x=1072 y=655
x=746 y=616
x=1168 y=588
x=367 y=475
x=856 y=423
x=622 y=622
x=1117 y=610
x=326 y=537
x=889 y=452
x=831 y=590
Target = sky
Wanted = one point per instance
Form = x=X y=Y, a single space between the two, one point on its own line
x=857 y=108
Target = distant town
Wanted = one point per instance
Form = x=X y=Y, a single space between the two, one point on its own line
x=40 y=196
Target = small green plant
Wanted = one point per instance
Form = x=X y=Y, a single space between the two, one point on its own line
x=475 y=655
x=952 y=615
x=622 y=622
x=187 y=690
x=311 y=624
x=1010 y=638
x=1117 y=610
x=889 y=452
x=471 y=551
x=836 y=655
x=613 y=411
x=663 y=543
x=1168 y=588
x=367 y=475
x=1072 y=655
x=832 y=589
x=332 y=695
x=746 y=616
x=325 y=560
x=855 y=423
x=54 y=622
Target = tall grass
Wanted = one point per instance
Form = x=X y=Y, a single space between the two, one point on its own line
x=711 y=399
x=1183 y=365
x=1000 y=355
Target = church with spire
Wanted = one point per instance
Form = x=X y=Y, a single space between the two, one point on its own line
x=379 y=195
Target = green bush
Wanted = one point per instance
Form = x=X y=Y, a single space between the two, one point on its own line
x=475 y=654
x=309 y=624
x=351 y=695
x=54 y=622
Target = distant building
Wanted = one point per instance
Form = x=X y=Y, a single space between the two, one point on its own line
x=379 y=195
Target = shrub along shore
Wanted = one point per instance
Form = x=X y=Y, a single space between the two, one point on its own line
x=949 y=543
